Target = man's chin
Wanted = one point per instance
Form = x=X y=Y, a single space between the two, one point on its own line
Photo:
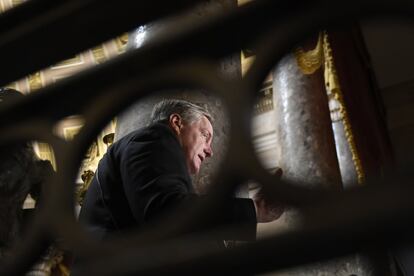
x=194 y=170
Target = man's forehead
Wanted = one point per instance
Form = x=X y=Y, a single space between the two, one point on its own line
x=205 y=122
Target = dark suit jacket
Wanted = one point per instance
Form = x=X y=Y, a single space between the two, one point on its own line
x=144 y=175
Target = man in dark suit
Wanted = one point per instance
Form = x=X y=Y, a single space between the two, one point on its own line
x=146 y=174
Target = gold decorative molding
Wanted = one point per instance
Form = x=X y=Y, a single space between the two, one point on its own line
x=265 y=102
x=334 y=91
x=121 y=42
x=45 y=152
x=6 y=5
x=87 y=177
x=12 y=85
x=76 y=60
x=35 y=81
x=242 y=2
x=246 y=62
x=99 y=54
x=108 y=139
x=16 y=2
x=69 y=133
x=312 y=60
x=69 y=66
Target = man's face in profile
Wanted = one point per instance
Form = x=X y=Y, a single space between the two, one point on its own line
x=196 y=138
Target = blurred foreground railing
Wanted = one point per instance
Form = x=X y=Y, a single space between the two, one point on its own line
x=39 y=33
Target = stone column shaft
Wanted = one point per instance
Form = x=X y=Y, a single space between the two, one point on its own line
x=303 y=127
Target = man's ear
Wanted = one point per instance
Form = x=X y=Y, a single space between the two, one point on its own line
x=175 y=123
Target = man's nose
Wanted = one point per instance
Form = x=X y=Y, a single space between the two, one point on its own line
x=208 y=151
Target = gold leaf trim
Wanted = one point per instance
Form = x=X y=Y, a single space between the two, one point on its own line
x=334 y=90
x=121 y=42
x=99 y=54
x=35 y=81
x=16 y=2
x=310 y=61
x=76 y=60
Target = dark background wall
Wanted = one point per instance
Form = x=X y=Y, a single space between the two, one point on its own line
x=390 y=47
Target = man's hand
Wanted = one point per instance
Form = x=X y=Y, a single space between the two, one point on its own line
x=266 y=209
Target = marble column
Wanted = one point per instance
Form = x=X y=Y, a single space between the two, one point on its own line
x=303 y=127
x=307 y=154
x=346 y=164
x=306 y=148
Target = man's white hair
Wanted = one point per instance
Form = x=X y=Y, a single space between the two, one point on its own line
x=188 y=111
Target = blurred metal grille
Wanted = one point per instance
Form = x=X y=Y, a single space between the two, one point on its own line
x=184 y=56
